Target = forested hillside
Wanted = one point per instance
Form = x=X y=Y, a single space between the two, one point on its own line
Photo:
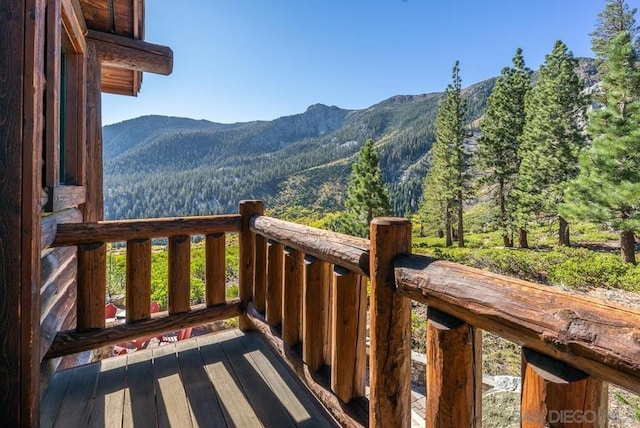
x=166 y=166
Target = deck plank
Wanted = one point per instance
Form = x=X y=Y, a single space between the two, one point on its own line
x=236 y=409
x=264 y=401
x=75 y=408
x=108 y=404
x=226 y=379
x=171 y=398
x=53 y=397
x=303 y=407
x=203 y=401
x=139 y=396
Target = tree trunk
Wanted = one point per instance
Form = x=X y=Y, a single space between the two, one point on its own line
x=506 y=237
x=447 y=227
x=563 y=232
x=522 y=238
x=627 y=246
x=460 y=225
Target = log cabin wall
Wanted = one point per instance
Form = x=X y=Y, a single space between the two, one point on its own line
x=51 y=167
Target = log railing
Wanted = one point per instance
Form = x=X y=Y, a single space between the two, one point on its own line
x=572 y=346
x=305 y=290
x=91 y=240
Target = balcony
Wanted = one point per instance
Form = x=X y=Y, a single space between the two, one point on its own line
x=306 y=296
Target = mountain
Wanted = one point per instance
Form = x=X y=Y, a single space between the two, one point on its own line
x=167 y=166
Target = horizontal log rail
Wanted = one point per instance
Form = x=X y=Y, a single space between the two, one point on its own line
x=124 y=230
x=72 y=341
x=597 y=337
x=343 y=250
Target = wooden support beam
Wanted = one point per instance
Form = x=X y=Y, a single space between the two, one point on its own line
x=313 y=312
x=390 y=361
x=349 y=325
x=292 y=296
x=247 y=263
x=216 y=268
x=260 y=276
x=599 y=337
x=53 y=96
x=22 y=84
x=92 y=280
x=138 y=287
x=71 y=342
x=94 y=205
x=179 y=293
x=343 y=250
x=275 y=275
x=556 y=394
x=74 y=24
x=454 y=372
x=121 y=230
x=123 y=52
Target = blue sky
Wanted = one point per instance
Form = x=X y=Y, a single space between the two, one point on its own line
x=241 y=60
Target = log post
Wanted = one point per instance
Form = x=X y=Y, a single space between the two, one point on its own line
x=260 y=276
x=349 y=322
x=138 y=286
x=292 y=296
x=179 y=292
x=275 y=271
x=216 y=264
x=390 y=361
x=91 y=280
x=313 y=312
x=454 y=372
x=246 y=273
x=558 y=395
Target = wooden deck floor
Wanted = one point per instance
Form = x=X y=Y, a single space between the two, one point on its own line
x=227 y=379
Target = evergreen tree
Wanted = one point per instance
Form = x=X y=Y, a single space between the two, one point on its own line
x=607 y=189
x=367 y=194
x=614 y=19
x=551 y=139
x=447 y=182
x=497 y=150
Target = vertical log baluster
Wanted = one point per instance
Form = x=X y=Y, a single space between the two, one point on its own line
x=327 y=314
x=292 y=296
x=260 y=275
x=390 y=361
x=246 y=272
x=215 y=250
x=349 y=320
x=91 y=280
x=557 y=395
x=138 y=279
x=179 y=292
x=316 y=274
x=454 y=372
x=275 y=275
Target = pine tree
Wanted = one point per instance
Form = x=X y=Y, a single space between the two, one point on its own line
x=367 y=194
x=607 y=189
x=551 y=139
x=447 y=182
x=614 y=19
x=497 y=150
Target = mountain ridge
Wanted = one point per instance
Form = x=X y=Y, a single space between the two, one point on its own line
x=170 y=166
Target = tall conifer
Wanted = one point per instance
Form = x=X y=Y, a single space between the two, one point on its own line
x=447 y=184
x=497 y=151
x=607 y=189
x=551 y=139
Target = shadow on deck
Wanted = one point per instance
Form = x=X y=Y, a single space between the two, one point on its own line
x=226 y=379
